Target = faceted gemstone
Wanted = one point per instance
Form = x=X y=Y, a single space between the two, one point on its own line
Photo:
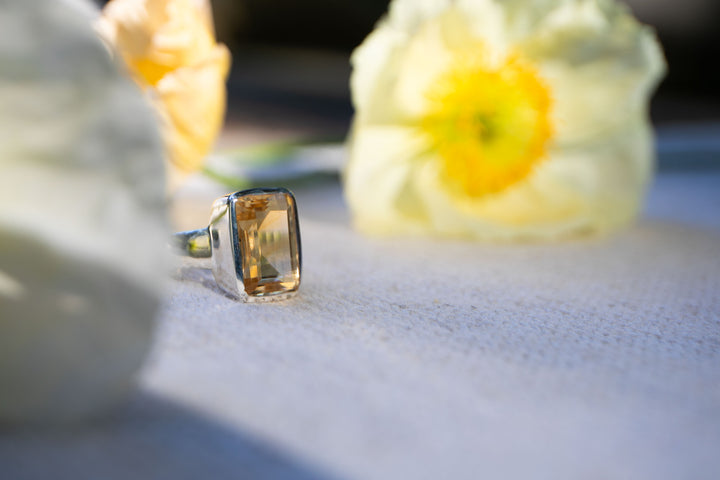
x=269 y=244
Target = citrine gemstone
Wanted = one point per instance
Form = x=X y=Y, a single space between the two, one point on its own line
x=268 y=243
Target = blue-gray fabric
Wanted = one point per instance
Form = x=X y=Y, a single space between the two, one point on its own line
x=591 y=358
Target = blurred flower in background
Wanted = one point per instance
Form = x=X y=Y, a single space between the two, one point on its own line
x=82 y=220
x=170 y=50
x=502 y=120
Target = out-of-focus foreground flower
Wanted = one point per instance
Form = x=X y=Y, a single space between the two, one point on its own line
x=502 y=119
x=82 y=225
x=170 y=50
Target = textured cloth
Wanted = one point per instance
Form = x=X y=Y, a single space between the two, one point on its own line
x=591 y=358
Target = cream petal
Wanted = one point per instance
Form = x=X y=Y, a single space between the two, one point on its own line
x=374 y=75
x=393 y=82
x=429 y=54
x=601 y=66
x=487 y=21
x=396 y=64
x=394 y=30
x=409 y=15
x=425 y=59
x=376 y=179
x=509 y=20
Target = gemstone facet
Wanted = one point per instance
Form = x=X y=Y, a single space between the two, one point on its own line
x=267 y=242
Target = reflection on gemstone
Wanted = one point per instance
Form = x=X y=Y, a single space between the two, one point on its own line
x=268 y=243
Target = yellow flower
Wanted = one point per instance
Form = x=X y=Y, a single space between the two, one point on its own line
x=501 y=119
x=170 y=50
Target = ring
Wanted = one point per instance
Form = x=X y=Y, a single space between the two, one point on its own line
x=253 y=240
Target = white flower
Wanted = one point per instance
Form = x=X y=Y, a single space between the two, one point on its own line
x=501 y=119
x=81 y=216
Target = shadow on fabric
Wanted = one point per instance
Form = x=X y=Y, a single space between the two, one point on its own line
x=152 y=438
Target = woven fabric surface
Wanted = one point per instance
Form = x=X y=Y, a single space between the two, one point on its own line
x=423 y=359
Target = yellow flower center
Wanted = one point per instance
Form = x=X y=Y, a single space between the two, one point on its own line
x=490 y=123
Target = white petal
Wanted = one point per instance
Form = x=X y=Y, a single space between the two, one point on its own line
x=376 y=178
x=601 y=66
x=373 y=73
x=81 y=217
x=488 y=22
x=426 y=58
x=409 y=15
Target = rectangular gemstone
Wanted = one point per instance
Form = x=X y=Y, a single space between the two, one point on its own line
x=269 y=244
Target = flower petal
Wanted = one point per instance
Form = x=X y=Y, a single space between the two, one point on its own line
x=409 y=15
x=384 y=158
x=192 y=104
x=393 y=83
x=156 y=36
x=374 y=75
x=601 y=64
x=82 y=221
